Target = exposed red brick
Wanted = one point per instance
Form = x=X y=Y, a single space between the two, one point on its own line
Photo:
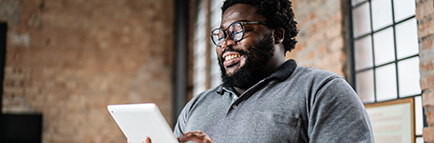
x=310 y=56
x=424 y=9
x=428 y=98
x=426 y=66
x=430 y=118
x=427 y=81
x=337 y=44
x=426 y=29
x=427 y=44
x=70 y=59
x=428 y=134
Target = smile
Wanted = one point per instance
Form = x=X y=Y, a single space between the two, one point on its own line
x=230 y=57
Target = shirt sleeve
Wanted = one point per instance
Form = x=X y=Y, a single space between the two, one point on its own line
x=179 y=128
x=338 y=115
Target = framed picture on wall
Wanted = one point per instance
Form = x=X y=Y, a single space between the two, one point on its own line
x=393 y=121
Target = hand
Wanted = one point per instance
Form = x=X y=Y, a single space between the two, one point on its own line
x=196 y=136
x=145 y=140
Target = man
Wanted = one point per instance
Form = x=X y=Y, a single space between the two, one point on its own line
x=264 y=98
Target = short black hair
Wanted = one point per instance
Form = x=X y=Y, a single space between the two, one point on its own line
x=278 y=13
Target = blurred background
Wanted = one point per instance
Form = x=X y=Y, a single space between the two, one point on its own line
x=63 y=61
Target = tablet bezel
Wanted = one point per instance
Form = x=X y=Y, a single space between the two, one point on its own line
x=138 y=121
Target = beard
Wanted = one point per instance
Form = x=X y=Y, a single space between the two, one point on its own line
x=255 y=68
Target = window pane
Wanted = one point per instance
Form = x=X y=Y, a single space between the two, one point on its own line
x=404 y=9
x=199 y=51
x=408 y=71
x=384 y=46
x=406 y=39
x=361 y=20
x=386 y=82
x=381 y=13
x=215 y=15
x=365 y=86
x=355 y=2
x=419 y=140
x=418 y=114
x=363 y=53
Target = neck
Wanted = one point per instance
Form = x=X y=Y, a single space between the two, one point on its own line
x=275 y=62
x=239 y=91
x=272 y=68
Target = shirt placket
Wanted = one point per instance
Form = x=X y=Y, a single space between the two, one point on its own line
x=246 y=95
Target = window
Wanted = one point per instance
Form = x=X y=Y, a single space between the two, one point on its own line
x=199 y=55
x=385 y=53
x=215 y=18
x=3 y=33
x=206 y=69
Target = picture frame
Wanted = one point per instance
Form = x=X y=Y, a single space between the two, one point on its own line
x=393 y=121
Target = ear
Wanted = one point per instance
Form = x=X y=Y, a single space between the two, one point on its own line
x=279 y=35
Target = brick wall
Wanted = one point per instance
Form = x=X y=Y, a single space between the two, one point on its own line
x=328 y=51
x=425 y=19
x=322 y=22
x=69 y=59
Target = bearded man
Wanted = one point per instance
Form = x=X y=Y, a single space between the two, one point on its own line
x=265 y=98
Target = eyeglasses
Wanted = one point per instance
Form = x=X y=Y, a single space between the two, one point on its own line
x=235 y=31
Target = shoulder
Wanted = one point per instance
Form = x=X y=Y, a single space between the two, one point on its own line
x=324 y=86
x=204 y=96
x=182 y=124
x=313 y=73
x=314 y=78
x=320 y=85
x=207 y=94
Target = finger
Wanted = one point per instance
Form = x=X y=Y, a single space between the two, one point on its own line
x=146 y=140
x=128 y=141
x=196 y=136
x=190 y=136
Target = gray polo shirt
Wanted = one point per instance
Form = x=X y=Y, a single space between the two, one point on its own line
x=294 y=104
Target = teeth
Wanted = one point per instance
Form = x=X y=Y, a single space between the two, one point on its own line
x=230 y=57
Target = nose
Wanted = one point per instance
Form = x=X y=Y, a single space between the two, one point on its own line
x=227 y=42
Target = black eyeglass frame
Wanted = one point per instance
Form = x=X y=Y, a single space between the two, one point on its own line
x=242 y=23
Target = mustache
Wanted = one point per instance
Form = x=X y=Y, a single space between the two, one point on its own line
x=241 y=52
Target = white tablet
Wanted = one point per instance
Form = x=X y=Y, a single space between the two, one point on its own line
x=138 y=121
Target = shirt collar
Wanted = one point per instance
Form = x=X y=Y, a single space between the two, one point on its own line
x=282 y=73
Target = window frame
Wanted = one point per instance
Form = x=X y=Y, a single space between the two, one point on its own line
x=351 y=52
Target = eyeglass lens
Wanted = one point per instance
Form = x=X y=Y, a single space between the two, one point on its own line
x=235 y=31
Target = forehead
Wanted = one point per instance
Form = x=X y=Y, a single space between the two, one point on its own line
x=240 y=12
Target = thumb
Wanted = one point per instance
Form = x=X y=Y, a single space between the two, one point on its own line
x=146 y=140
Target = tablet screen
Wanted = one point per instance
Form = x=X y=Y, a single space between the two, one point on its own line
x=138 y=121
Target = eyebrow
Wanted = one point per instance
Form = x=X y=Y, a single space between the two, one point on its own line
x=244 y=20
